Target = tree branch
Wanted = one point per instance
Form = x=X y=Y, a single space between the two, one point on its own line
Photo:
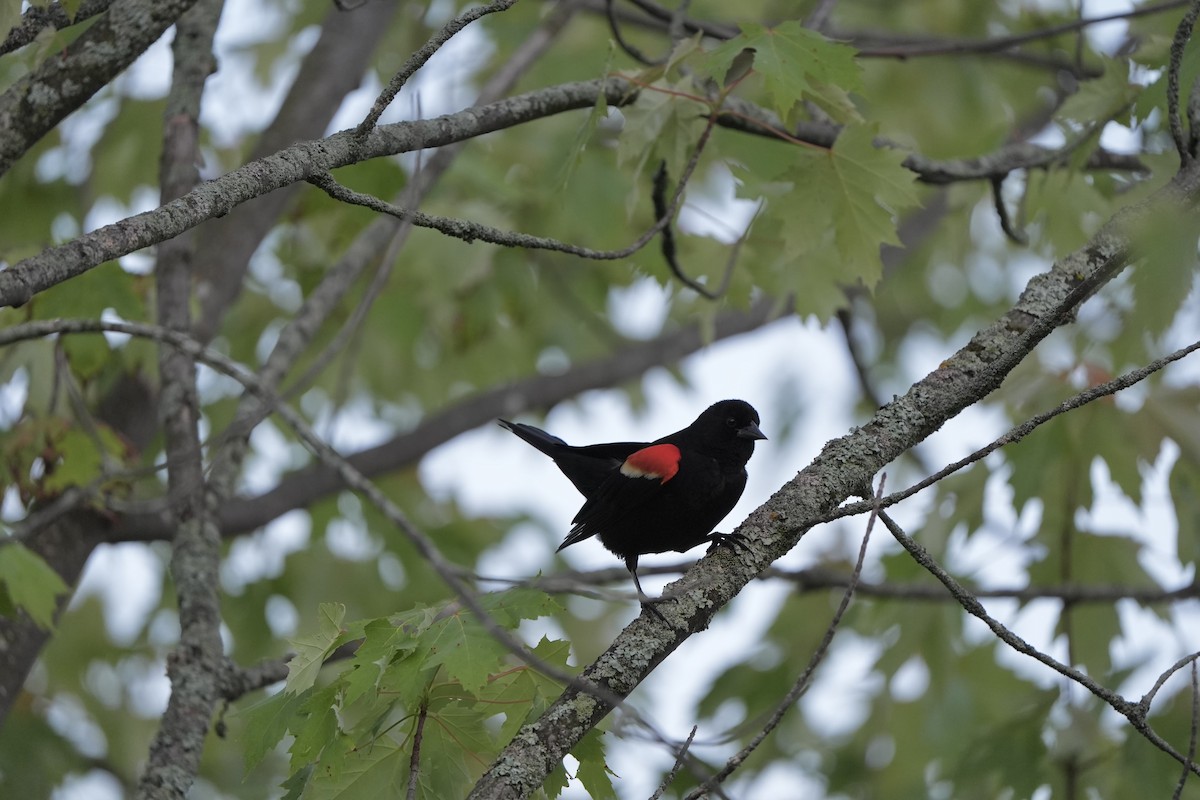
x=1019 y=432
x=196 y=665
x=37 y=18
x=421 y=56
x=330 y=71
x=1134 y=712
x=800 y=686
x=38 y=101
x=293 y=164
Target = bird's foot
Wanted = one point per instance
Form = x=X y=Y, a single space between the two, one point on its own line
x=737 y=541
x=651 y=605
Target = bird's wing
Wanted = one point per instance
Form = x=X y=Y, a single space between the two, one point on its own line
x=639 y=479
x=588 y=467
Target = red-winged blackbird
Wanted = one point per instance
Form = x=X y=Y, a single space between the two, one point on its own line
x=665 y=495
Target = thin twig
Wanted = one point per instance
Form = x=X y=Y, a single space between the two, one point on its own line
x=1191 y=753
x=414 y=760
x=818 y=18
x=680 y=755
x=1134 y=712
x=1148 y=697
x=802 y=683
x=630 y=49
x=816 y=579
x=662 y=211
x=1015 y=235
x=421 y=56
x=470 y=231
x=1018 y=433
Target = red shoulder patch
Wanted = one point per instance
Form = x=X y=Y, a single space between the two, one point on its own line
x=659 y=461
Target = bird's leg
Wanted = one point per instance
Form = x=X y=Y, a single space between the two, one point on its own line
x=643 y=598
x=735 y=540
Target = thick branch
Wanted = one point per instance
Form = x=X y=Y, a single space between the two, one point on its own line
x=37 y=18
x=843 y=467
x=299 y=162
x=197 y=663
x=40 y=100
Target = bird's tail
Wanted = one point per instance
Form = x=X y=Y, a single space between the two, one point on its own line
x=547 y=443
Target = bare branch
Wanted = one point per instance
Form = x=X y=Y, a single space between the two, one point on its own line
x=1191 y=753
x=1014 y=235
x=1183 y=34
x=299 y=162
x=1019 y=432
x=196 y=665
x=680 y=756
x=633 y=52
x=39 y=100
x=37 y=18
x=308 y=160
x=419 y=58
x=1134 y=712
x=1149 y=696
x=817 y=579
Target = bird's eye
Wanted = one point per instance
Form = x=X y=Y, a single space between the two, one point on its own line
x=731 y=422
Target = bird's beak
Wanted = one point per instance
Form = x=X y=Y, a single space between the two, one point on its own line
x=751 y=431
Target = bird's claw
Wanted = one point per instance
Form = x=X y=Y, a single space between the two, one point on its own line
x=651 y=605
x=737 y=541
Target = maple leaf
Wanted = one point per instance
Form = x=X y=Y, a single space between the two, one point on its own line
x=795 y=63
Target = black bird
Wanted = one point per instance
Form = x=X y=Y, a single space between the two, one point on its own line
x=665 y=495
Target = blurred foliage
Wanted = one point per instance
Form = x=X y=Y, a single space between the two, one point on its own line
x=456 y=318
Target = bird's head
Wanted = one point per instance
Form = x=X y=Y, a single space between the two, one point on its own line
x=729 y=426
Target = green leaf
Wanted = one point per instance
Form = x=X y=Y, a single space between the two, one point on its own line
x=522 y=693
x=593 y=772
x=381 y=645
x=79 y=461
x=468 y=653
x=266 y=722
x=311 y=651
x=587 y=131
x=314 y=725
x=296 y=783
x=795 y=63
x=842 y=204
x=30 y=583
x=1163 y=279
x=662 y=124
x=406 y=679
x=1098 y=100
x=366 y=772
x=88 y=294
x=1185 y=493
